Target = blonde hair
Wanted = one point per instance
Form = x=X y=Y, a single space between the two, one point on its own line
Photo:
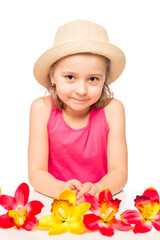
x=104 y=99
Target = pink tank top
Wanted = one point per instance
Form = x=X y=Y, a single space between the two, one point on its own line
x=78 y=153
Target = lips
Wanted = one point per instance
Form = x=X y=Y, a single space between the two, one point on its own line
x=80 y=100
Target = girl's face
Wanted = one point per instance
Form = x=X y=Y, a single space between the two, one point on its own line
x=79 y=80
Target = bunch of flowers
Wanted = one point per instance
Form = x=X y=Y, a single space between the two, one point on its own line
x=66 y=216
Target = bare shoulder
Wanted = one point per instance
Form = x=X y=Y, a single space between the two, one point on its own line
x=115 y=110
x=41 y=107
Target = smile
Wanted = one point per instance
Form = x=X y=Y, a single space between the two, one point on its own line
x=79 y=100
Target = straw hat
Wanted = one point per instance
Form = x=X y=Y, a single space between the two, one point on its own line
x=80 y=36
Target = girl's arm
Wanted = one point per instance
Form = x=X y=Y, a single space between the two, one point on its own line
x=38 y=174
x=117 y=155
x=38 y=151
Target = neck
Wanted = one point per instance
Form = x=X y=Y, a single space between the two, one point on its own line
x=76 y=114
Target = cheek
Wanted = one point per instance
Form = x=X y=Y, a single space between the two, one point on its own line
x=63 y=90
x=96 y=92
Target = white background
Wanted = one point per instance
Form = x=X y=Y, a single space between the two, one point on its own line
x=27 y=29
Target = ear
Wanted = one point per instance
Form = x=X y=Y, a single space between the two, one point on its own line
x=51 y=75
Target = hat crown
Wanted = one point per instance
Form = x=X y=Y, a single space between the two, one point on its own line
x=80 y=30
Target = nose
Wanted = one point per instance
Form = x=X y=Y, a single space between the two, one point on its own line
x=81 y=88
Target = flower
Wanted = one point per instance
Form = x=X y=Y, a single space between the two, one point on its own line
x=21 y=213
x=103 y=216
x=65 y=215
x=148 y=213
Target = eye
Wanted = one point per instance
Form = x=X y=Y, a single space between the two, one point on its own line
x=93 y=79
x=70 y=77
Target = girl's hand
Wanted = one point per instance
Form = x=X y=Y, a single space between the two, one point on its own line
x=73 y=185
x=90 y=188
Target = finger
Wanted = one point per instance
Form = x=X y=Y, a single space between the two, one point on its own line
x=81 y=200
x=75 y=192
x=86 y=188
x=94 y=192
x=77 y=184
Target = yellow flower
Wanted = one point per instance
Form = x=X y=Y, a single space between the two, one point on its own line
x=65 y=215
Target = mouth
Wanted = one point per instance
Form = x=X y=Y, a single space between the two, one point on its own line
x=79 y=100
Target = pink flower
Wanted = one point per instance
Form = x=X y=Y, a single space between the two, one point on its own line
x=148 y=213
x=103 y=216
x=21 y=213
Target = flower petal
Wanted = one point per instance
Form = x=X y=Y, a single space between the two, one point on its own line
x=46 y=222
x=158 y=216
x=22 y=194
x=141 y=200
x=105 y=195
x=121 y=226
x=142 y=227
x=106 y=229
x=5 y=221
x=131 y=216
x=76 y=227
x=95 y=205
x=147 y=207
x=79 y=211
x=109 y=209
x=68 y=195
x=62 y=209
x=151 y=193
x=58 y=228
x=113 y=204
x=34 y=208
x=156 y=224
x=30 y=223
x=91 y=221
x=8 y=202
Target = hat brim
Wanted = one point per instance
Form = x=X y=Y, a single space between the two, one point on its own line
x=112 y=52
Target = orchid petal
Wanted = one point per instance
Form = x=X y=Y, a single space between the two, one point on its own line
x=105 y=195
x=79 y=211
x=156 y=224
x=158 y=216
x=34 y=208
x=62 y=209
x=147 y=209
x=76 y=227
x=121 y=226
x=30 y=223
x=5 y=221
x=113 y=204
x=8 y=202
x=131 y=216
x=95 y=205
x=91 y=221
x=106 y=229
x=22 y=194
x=68 y=195
x=151 y=193
x=142 y=227
x=141 y=200
x=46 y=222
x=58 y=228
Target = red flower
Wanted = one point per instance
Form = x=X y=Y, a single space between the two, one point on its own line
x=148 y=213
x=21 y=213
x=103 y=216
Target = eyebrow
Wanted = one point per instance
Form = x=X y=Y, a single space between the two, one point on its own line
x=91 y=74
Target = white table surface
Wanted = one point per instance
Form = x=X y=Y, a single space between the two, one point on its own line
x=127 y=197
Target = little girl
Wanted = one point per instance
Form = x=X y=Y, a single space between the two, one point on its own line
x=77 y=133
